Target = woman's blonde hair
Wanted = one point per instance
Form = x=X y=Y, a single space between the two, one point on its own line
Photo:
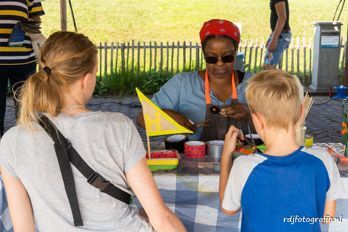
x=275 y=95
x=65 y=58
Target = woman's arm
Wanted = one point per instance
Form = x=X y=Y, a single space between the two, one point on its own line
x=142 y=183
x=19 y=203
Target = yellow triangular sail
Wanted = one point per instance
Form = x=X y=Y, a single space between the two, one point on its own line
x=157 y=122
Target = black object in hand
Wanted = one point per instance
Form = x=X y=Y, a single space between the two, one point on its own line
x=215 y=109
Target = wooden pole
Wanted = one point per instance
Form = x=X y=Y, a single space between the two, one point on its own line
x=63 y=21
x=148 y=145
x=105 y=59
x=346 y=66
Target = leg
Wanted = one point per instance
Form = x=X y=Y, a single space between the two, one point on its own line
x=3 y=93
x=20 y=73
x=273 y=59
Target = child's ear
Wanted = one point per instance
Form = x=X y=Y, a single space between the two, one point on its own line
x=258 y=121
x=259 y=124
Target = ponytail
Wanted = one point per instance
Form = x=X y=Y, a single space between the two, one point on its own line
x=66 y=57
x=40 y=93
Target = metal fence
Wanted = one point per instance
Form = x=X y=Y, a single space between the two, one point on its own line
x=140 y=57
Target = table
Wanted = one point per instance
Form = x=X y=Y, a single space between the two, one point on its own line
x=191 y=191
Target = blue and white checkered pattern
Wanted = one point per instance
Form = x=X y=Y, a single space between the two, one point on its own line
x=195 y=200
x=5 y=220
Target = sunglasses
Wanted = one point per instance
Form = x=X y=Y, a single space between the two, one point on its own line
x=214 y=59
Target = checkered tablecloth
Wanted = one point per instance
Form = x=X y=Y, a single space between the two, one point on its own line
x=192 y=193
x=195 y=200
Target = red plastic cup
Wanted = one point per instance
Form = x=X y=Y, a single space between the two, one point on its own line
x=194 y=149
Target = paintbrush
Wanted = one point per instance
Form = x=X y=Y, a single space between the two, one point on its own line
x=250 y=143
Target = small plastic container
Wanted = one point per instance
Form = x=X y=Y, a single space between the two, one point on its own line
x=214 y=148
x=309 y=140
x=163 y=160
x=194 y=149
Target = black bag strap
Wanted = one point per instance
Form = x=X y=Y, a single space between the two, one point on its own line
x=65 y=149
x=65 y=168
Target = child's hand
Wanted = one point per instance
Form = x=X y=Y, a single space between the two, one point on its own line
x=230 y=141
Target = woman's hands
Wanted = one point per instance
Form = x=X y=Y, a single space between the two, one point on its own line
x=182 y=120
x=236 y=111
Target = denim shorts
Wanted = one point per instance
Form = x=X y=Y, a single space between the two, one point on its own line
x=284 y=40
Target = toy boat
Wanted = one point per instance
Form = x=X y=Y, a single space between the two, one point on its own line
x=163 y=160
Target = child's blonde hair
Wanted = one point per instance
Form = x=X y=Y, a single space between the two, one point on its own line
x=275 y=95
x=65 y=58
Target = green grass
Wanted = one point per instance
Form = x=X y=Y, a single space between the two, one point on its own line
x=176 y=20
x=180 y=20
x=124 y=83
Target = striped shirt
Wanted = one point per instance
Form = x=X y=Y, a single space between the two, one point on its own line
x=12 y=12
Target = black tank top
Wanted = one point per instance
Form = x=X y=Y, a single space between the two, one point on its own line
x=274 y=16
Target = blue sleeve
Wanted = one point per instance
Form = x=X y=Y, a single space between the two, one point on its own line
x=168 y=97
x=241 y=88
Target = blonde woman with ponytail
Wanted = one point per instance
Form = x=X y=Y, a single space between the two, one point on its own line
x=108 y=142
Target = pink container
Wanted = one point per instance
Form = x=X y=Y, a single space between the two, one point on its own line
x=194 y=149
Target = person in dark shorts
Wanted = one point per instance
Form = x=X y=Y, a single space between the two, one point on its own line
x=17 y=63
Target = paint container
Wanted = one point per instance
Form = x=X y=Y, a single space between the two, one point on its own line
x=176 y=142
x=309 y=140
x=214 y=149
x=194 y=149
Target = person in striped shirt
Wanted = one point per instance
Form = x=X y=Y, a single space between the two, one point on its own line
x=16 y=63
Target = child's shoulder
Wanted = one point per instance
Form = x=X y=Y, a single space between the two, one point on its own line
x=318 y=152
x=246 y=163
x=321 y=155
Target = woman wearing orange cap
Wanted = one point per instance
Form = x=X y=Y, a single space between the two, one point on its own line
x=211 y=96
